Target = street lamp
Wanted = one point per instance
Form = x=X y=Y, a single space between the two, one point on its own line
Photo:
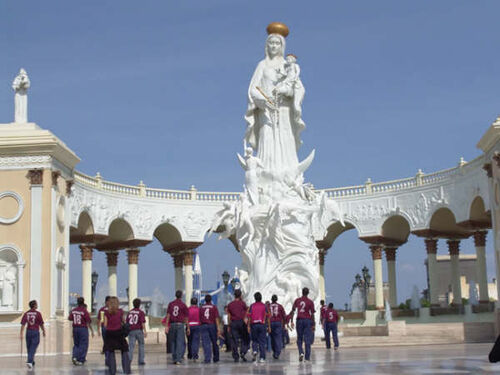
x=367 y=280
x=95 y=277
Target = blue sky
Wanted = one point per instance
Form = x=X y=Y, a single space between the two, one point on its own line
x=156 y=91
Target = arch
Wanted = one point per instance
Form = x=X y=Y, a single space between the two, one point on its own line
x=443 y=220
x=396 y=228
x=167 y=234
x=477 y=210
x=85 y=226
x=335 y=229
x=120 y=230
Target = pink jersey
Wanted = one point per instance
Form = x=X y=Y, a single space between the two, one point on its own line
x=331 y=316
x=208 y=314
x=305 y=308
x=257 y=313
x=80 y=317
x=178 y=311
x=114 y=320
x=194 y=316
x=33 y=319
x=277 y=312
x=136 y=318
x=322 y=312
x=237 y=309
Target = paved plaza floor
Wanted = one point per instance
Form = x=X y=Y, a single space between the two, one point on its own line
x=431 y=359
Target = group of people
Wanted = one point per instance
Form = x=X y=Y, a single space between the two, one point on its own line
x=248 y=327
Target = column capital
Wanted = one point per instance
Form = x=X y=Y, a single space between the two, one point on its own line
x=55 y=175
x=178 y=260
x=133 y=256
x=390 y=253
x=489 y=170
x=431 y=245
x=376 y=251
x=86 y=251
x=480 y=238
x=112 y=258
x=69 y=185
x=188 y=258
x=453 y=247
x=35 y=176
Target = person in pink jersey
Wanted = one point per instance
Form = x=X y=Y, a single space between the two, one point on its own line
x=81 y=324
x=177 y=319
x=194 y=323
x=258 y=325
x=114 y=339
x=305 y=324
x=331 y=319
x=237 y=316
x=322 y=310
x=136 y=320
x=32 y=319
x=277 y=318
x=210 y=329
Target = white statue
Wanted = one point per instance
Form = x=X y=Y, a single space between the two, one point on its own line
x=21 y=85
x=8 y=287
x=251 y=165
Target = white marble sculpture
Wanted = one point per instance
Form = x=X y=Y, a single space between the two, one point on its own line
x=8 y=281
x=21 y=85
x=274 y=219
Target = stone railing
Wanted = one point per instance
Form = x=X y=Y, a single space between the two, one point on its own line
x=420 y=179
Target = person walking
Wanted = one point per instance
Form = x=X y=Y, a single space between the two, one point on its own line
x=331 y=319
x=114 y=339
x=237 y=316
x=258 y=325
x=322 y=311
x=136 y=320
x=176 y=321
x=277 y=318
x=305 y=324
x=210 y=329
x=194 y=330
x=81 y=324
x=33 y=321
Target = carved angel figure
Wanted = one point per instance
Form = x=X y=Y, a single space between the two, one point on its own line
x=251 y=165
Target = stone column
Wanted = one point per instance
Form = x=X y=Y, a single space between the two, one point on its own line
x=431 y=247
x=112 y=259
x=377 y=270
x=454 y=249
x=322 y=291
x=390 y=255
x=86 y=251
x=36 y=185
x=133 y=261
x=481 y=275
x=188 y=275
x=178 y=263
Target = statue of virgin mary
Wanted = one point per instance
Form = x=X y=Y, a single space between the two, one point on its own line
x=274 y=113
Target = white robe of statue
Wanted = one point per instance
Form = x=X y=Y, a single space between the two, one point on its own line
x=21 y=85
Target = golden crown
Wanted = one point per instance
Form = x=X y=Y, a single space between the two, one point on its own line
x=278 y=28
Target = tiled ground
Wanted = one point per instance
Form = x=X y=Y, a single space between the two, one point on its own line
x=431 y=359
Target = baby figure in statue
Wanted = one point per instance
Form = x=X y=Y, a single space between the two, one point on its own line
x=291 y=75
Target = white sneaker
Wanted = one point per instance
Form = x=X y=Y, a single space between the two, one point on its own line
x=262 y=360
x=30 y=365
x=301 y=357
x=254 y=356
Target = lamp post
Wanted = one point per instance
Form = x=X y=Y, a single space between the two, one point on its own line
x=366 y=283
x=95 y=277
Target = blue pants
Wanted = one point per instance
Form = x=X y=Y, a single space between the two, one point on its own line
x=239 y=334
x=133 y=336
x=194 y=342
x=80 y=343
x=331 y=327
x=111 y=362
x=176 y=333
x=304 y=334
x=276 y=338
x=32 y=341
x=209 y=342
x=258 y=331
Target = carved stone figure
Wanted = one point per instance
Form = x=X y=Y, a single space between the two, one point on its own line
x=251 y=165
x=20 y=85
